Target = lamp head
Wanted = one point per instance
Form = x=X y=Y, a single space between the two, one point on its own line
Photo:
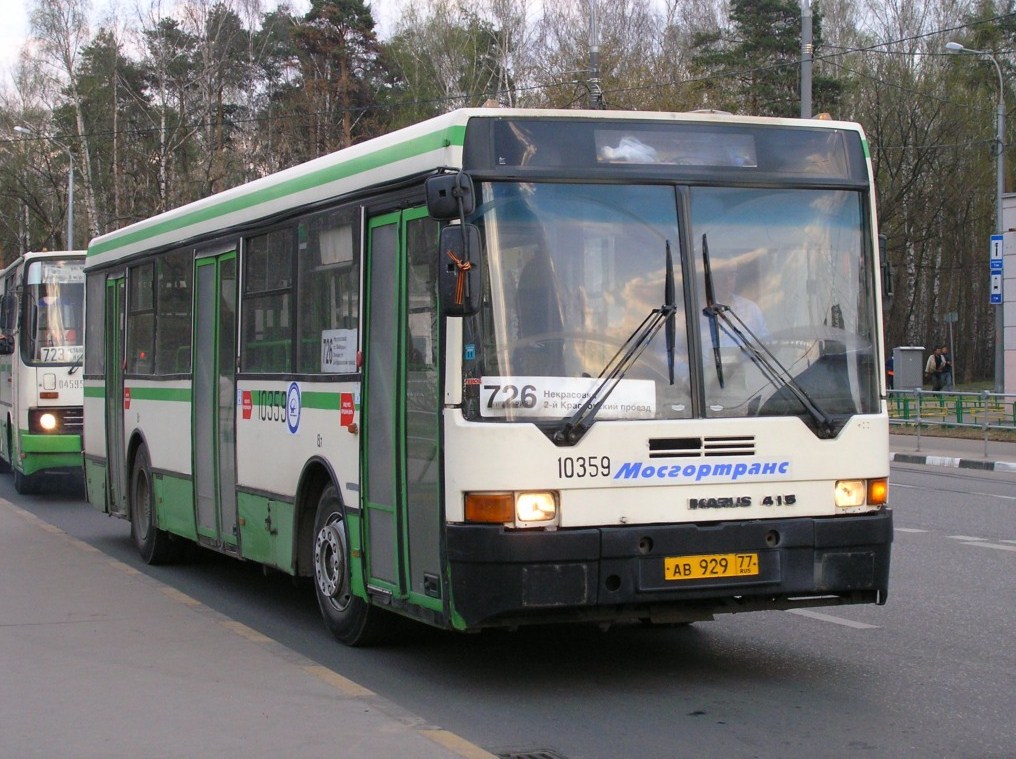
x=954 y=47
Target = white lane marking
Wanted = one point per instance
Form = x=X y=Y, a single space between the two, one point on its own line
x=996 y=546
x=835 y=620
x=898 y=486
x=965 y=538
x=908 y=529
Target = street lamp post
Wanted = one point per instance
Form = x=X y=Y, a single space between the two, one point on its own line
x=956 y=47
x=70 y=179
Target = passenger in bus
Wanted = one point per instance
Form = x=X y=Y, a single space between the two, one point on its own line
x=728 y=284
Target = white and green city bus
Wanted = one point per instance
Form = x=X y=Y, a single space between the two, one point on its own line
x=508 y=367
x=41 y=350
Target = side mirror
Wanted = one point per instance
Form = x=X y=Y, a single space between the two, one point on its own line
x=450 y=196
x=6 y=345
x=458 y=273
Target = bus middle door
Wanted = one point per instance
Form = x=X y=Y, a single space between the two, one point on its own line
x=214 y=406
x=400 y=475
x=116 y=397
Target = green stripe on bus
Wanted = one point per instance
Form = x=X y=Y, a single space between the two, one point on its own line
x=96 y=391
x=326 y=401
x=454 y=135
x=174 y=394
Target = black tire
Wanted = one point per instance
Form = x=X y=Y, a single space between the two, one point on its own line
x=5 y=464
x=154 y=545
x=25 y=484
x=351 y=619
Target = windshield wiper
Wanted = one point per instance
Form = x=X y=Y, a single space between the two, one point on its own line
x=76 y=365
x=724 y=317
x=670 y=302
x=712 y=309
x=576 y=425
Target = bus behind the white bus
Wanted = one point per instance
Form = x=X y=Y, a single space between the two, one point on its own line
x=41 y=351
x=508 y=367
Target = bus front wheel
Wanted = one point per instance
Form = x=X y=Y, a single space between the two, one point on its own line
x=155 y=545
x=351 y=619
x=25 y=484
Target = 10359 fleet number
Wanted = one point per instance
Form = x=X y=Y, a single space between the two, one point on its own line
x=569 y=467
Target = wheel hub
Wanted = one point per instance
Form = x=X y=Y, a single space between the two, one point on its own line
x=330 y=560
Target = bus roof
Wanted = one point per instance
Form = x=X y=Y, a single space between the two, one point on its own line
x=34 y=255
x=412 y=151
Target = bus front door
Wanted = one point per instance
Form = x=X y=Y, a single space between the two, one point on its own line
x=116 y=397
x=214 y=403
x=401 y=467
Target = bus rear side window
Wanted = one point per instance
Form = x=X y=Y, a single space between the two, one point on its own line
x=267 y=342
x=140 y=320
x=173 y=328
x=95 y=359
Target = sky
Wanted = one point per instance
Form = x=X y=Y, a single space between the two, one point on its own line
x=13 y=31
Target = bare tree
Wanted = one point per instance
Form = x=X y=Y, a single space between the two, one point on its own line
x=61 y=27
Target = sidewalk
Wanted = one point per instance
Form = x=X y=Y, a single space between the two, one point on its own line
x=954 y=452
x=100 y=660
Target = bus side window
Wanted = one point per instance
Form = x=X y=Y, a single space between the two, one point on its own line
x=267 y=321
x=329 y=282
x=140 y=319
x=8 y=320
x=173 y=312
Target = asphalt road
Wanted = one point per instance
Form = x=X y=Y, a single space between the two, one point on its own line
x=931 y=673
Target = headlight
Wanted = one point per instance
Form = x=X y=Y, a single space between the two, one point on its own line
x=516 y=509
x=850 y=493
x=853 y=494
x=41 y=421
x=535 y=509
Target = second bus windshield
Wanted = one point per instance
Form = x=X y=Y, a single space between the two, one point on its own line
x=54 y=294
x=573 y=270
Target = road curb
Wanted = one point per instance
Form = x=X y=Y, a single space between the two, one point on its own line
x=951 y=461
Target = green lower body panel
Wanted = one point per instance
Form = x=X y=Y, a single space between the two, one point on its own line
x=174 y=505
x=266 y=531
x=48 y=452
x=95 y=484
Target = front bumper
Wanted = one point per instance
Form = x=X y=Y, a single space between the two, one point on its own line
x=503 y=577
x=49 y=452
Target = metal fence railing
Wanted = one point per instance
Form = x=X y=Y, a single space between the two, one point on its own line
x=984 y=411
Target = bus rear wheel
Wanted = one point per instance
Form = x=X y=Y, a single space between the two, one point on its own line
x=351 y=619
x=155 y=546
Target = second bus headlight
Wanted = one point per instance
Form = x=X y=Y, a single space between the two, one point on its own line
x=41 y=421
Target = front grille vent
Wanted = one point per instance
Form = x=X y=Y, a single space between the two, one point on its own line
x=697 y=447
x=73 y=421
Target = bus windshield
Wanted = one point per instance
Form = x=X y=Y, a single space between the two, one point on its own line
x=784 y=327
x=54 y=297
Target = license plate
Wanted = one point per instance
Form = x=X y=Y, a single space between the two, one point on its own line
x=708 y=565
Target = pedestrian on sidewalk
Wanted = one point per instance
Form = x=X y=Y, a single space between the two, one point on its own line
x=933 y=369
x=945 y=369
